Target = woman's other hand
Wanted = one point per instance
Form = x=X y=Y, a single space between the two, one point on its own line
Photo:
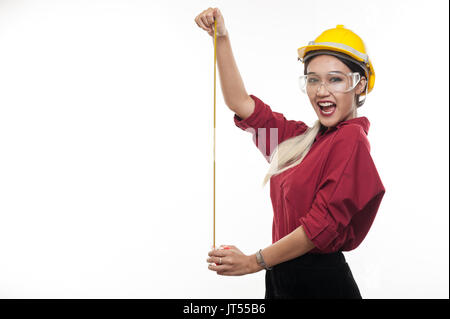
x=228 y=260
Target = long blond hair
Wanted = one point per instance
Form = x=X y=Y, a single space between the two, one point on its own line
x=292 y=151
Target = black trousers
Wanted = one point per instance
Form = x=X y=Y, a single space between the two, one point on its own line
x=312 y=276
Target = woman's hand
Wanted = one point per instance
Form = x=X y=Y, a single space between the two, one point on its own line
x=205 y=20
x=230 y=261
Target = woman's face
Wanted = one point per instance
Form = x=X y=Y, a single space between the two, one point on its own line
x=345 y=102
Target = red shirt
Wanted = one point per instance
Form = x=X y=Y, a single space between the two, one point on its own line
x=335 y=192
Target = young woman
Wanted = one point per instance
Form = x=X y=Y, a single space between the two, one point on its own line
x=324 y=186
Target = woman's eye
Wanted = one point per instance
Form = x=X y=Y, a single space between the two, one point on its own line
x=335 y=79
x=312 y=80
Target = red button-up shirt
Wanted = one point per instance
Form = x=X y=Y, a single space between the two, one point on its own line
x=335 y=192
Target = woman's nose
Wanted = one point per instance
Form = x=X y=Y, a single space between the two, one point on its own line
x=322 y=89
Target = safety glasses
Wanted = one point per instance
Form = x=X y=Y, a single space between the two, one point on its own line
x=335 y=82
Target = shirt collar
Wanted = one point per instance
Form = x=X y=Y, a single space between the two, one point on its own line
x=362 y=121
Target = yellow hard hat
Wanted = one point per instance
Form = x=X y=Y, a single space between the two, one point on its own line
x=341 y=40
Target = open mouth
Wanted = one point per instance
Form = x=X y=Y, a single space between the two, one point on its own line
x=327 y=108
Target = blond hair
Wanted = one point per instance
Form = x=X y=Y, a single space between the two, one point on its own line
x=291 y=152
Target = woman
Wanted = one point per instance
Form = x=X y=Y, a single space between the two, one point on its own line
x=324 y=186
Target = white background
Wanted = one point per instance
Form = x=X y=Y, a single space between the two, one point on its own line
x=106 y=126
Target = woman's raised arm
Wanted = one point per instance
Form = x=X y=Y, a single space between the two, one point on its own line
x=233 y=89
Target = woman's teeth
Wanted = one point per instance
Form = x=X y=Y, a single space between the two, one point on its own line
x=327 y=108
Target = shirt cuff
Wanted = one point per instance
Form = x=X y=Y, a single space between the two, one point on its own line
x=319 y=230
x=254 y=118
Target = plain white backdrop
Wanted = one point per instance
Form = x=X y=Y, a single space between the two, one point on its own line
x=106 y=140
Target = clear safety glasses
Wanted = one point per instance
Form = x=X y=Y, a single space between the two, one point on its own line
x=335 y=82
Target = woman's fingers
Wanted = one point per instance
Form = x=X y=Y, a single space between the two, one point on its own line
x=217 y=260
x=224 y=270
x=220 y=269
x=210 y=18
x=219 y=253
x=200 y=23
x=207 y=17
x=205 y=20
x=229 y=261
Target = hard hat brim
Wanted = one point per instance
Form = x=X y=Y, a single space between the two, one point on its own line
x=308 y=48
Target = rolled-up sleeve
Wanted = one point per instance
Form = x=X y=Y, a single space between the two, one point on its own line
x=347 y=199
x=268 y=128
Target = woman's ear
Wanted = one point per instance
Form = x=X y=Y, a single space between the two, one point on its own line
x=361 y=85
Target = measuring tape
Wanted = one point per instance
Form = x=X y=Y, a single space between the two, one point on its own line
x=214 y=147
